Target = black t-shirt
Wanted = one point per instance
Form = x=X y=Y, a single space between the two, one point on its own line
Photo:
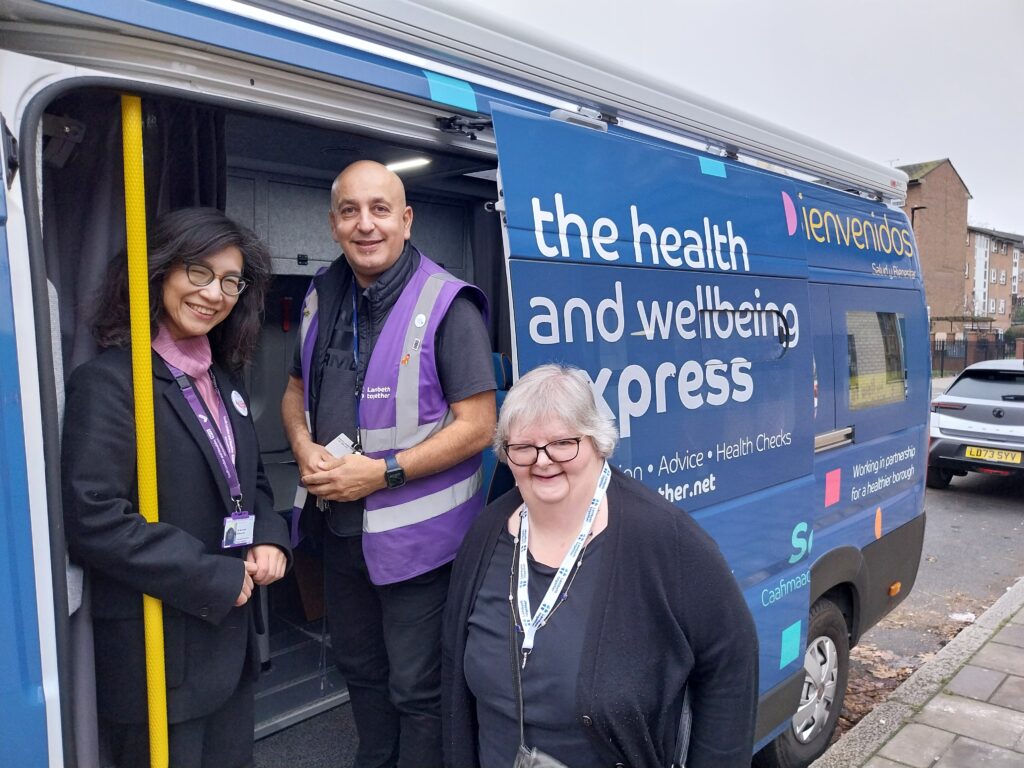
x=549 y=679
x=462 y=350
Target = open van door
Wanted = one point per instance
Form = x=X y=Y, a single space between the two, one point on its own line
x=672 y=279
x=24 y=728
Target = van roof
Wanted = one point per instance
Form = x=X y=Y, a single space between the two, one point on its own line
x=482 y=49
x=465 y=34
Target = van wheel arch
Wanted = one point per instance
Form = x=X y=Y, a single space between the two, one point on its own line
x=841 y=577
x=808 y=733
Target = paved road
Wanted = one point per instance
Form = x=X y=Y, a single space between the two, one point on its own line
x=973 y=551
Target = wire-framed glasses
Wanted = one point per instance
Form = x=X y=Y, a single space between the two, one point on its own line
x=201 y=275
x=525 y=455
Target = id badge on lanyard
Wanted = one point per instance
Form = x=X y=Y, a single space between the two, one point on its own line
x=240 y=524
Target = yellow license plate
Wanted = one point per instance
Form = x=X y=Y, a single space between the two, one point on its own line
x=993 y=454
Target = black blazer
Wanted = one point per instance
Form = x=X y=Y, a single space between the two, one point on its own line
x=178 y=560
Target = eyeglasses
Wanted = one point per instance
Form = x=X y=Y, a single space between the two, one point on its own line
x=201 y=275
x=526 y=455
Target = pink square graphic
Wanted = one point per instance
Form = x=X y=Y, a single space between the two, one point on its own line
x=832 y=482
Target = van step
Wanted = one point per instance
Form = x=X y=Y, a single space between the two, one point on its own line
x=300 y=682
x=298 y=702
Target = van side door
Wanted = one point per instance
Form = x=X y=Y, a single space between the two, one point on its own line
x=674 y=281
x=24 y=729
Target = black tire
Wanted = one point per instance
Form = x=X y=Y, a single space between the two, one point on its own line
x=938 y=477
x=827 y=632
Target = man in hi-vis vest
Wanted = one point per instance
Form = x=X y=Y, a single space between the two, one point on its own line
x=388 y=407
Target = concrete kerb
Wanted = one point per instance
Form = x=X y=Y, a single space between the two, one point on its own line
x=869 y=735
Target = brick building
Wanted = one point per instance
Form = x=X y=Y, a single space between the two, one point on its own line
x=992 y=273
x=937 y=208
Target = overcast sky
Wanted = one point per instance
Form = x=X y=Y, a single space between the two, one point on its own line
x=896 y=81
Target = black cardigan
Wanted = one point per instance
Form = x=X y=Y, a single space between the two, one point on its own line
x=671 y=616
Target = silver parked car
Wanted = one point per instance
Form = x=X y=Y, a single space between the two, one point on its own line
x=978 y=424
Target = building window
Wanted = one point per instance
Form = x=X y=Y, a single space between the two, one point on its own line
x=1002 y=277
x=1002 y=306
x=992 y=276
x=967 y=269
x=991 y=306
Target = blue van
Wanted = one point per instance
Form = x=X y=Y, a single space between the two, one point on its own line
x=747 y=302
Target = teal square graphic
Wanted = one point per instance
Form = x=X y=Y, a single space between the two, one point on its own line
x=790 y=650
x=711 y=167
x=448 y=90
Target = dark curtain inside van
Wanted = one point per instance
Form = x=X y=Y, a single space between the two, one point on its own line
x=83 y=191
x=83 y=229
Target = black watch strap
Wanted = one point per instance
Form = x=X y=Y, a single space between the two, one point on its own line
x=394 y=475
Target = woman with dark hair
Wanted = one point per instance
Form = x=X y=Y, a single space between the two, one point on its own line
x=207 y=280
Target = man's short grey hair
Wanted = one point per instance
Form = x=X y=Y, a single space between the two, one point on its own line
x=560 y=392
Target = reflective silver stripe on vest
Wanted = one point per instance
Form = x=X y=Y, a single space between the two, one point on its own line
x=423 y=508
x=408 y=431
x=375 y=440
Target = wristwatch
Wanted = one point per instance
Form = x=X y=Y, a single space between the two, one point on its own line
x=394 y=475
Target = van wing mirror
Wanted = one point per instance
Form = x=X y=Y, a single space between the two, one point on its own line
x=783 y=328
x=768 y=334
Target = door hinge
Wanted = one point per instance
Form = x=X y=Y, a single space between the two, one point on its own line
x=587 y=117
x=466 y=126
x=10 y=149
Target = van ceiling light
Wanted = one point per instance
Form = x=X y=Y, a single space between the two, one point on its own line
x=406 y=165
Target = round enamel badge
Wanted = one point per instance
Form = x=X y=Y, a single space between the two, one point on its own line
x=420 y=321
x=239 y=403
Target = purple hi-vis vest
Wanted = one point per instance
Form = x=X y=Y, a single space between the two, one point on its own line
x=410 y=530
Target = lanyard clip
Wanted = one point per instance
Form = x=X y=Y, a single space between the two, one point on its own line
x=238 y=504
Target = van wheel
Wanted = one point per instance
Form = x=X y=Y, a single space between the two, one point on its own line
x=826 y=667
x=938 y=477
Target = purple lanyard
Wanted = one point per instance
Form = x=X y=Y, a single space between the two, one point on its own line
x=216 y=437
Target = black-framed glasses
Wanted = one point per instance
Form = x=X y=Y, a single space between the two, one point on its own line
x=201 y=276
x=526 y=455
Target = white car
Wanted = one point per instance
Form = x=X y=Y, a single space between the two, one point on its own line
x=978 y=424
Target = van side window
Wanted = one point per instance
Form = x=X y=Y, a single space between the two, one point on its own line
x=877 y=369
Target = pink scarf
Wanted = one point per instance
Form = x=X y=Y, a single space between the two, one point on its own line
x=194 y=357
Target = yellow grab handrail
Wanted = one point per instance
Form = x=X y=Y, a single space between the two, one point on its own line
x=142 y=376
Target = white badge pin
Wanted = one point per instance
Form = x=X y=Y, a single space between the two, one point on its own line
x=239 y=403
x=420 y=321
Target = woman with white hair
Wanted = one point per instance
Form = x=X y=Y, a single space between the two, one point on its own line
x=583 y=606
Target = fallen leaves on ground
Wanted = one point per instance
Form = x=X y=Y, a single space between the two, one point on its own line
x=876 y=672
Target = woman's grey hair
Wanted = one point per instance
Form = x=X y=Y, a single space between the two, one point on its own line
x=560 y=392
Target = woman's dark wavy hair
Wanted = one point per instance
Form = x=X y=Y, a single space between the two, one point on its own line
x=180 y=236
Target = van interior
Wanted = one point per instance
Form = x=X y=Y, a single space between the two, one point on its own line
x=273 y=174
